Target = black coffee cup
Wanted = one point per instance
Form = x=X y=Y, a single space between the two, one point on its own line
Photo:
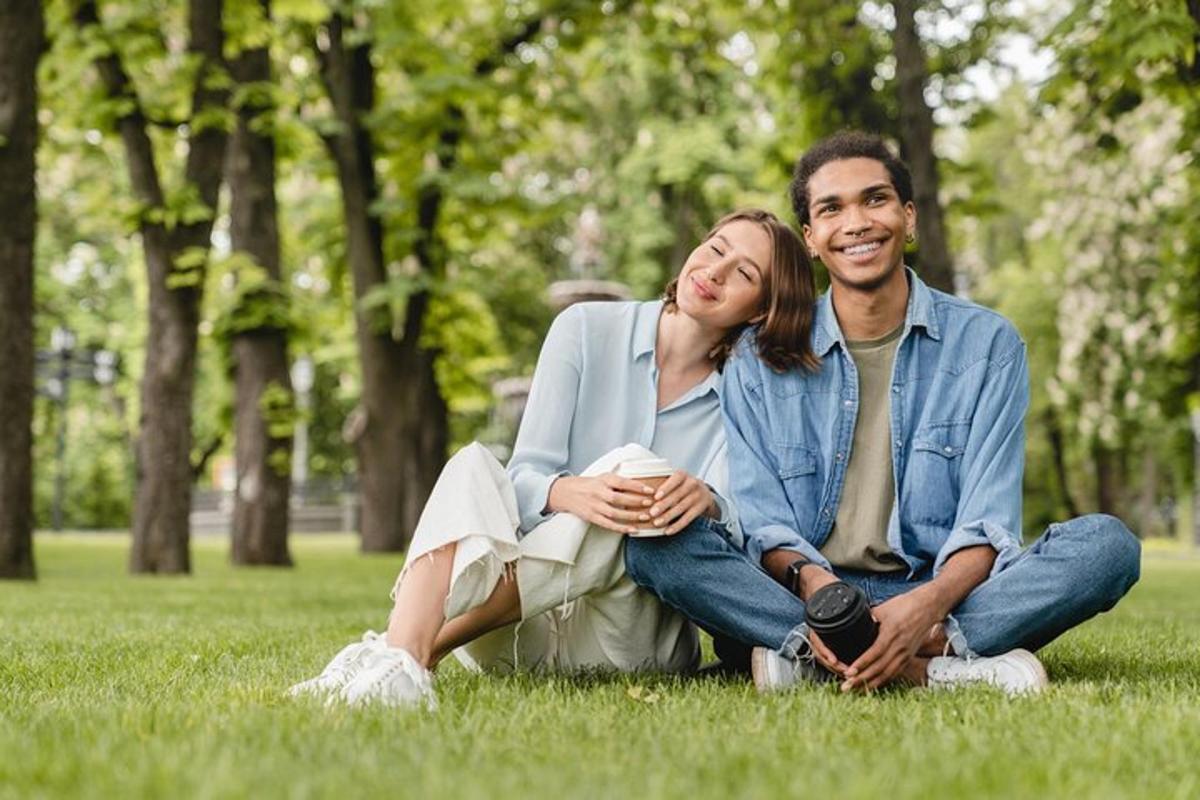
x=840 y=615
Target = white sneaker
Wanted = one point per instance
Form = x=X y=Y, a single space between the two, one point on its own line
x=773 y=672
x=1015 y=672
x=342 y=669
x=394 y=678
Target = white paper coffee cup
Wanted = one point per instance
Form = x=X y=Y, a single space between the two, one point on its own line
x=652 y=472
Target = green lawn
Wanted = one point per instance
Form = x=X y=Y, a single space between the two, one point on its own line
x=113 y=686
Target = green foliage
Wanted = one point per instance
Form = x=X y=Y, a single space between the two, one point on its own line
x=604 y=146
x=277 y=405
x=251 y=300
x=461 y=328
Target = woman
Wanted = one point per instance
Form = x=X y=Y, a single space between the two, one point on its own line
x=525 y=568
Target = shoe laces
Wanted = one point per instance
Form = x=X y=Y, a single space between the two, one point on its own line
x=355 y=656
x=403 y=662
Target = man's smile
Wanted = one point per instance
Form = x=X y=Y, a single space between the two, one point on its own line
x=861 y=252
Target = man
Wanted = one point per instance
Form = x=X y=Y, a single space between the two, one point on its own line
x=896 y=467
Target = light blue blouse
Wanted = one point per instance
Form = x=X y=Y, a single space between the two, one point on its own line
x=595 y=389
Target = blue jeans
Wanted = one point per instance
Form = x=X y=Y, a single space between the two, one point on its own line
x=1074 y=571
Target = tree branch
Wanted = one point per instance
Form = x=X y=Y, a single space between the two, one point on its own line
x=143 y=172
x=206 y=39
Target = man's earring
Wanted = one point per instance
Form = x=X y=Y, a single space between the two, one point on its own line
x=910 y=237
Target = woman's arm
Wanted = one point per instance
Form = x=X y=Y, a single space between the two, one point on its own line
x=541 y=452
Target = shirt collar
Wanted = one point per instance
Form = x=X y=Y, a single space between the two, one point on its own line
x=645 y=328
x=920 y=314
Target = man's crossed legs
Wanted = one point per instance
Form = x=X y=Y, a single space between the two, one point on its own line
x=1074 y=571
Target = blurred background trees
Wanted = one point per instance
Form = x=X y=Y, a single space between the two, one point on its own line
x=403 y=182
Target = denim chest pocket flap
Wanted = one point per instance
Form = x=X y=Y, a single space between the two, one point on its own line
x=946 y=439
x=795 y=460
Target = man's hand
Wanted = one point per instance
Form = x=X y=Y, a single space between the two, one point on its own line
x=906 y=622
x=904 y=625
x=825 y=656
x=606 y=500
x=679 y=500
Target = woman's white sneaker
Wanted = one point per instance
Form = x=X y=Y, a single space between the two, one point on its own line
x=392 y=677
x=1015 y=672
x=342 y=669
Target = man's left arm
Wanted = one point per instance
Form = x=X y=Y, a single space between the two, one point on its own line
x=986 y=533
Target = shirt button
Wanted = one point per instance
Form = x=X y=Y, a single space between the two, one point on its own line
x=840 y=456
x=947 y=449
x=848 y=403
x=896 y=389
x=825 y=512
x=897 y=443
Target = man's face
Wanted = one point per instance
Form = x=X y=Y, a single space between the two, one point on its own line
x=857 y=223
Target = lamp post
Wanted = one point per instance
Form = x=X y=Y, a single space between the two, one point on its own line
x=57 y=367
x=302 y=381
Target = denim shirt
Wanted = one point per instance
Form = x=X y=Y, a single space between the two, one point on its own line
x=595 y=389
x=959 y=392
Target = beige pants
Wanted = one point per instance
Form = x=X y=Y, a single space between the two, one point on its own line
x=579 y=609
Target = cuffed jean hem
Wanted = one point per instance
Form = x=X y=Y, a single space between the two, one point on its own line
x=796 y=645
x=956 y=638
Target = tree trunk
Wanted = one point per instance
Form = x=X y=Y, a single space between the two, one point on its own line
x=1196 y=476
x=916 y=133
x=1058 y=451
x=400 y=429
x=1108 y=480
x=394 y=479
x=21 y=42
x=260 y=512
x=1193 y=72
x=163 y=495
x=1146 y=501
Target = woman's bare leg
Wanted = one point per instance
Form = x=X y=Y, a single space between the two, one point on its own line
x=418 y=623
x=502 y=608
x=418 y=614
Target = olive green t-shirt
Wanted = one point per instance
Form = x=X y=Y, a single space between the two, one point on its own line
x=859 y=536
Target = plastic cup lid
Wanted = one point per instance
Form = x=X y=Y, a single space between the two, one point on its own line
x=645 y=468
x=834 y=603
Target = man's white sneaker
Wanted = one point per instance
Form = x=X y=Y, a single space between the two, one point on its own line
x=342 y=669
x=773 y=672
x=392 y=677
x=1015 y=672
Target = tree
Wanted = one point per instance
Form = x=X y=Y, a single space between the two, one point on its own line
x=1125 y=66
x=257 y=323
x=175 y=223
x=400 y=428
x=21 y=42
x=916 y=134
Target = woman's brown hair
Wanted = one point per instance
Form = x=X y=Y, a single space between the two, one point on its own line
x=783 y=336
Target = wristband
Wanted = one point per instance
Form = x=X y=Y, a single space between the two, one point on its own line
x=793 y=574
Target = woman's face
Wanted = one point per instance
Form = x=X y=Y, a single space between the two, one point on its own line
x=723 y=281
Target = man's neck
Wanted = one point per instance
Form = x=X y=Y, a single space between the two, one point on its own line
x=871 y=313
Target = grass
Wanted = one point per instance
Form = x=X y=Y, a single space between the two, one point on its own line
x=115 y=686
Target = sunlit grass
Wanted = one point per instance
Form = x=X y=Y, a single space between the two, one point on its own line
x=115 y=686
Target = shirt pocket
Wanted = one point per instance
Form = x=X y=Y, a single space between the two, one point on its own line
x=933 y=472
x=795 y=460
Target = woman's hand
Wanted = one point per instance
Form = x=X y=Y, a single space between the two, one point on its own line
x=679 y=500
x=606 y=500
